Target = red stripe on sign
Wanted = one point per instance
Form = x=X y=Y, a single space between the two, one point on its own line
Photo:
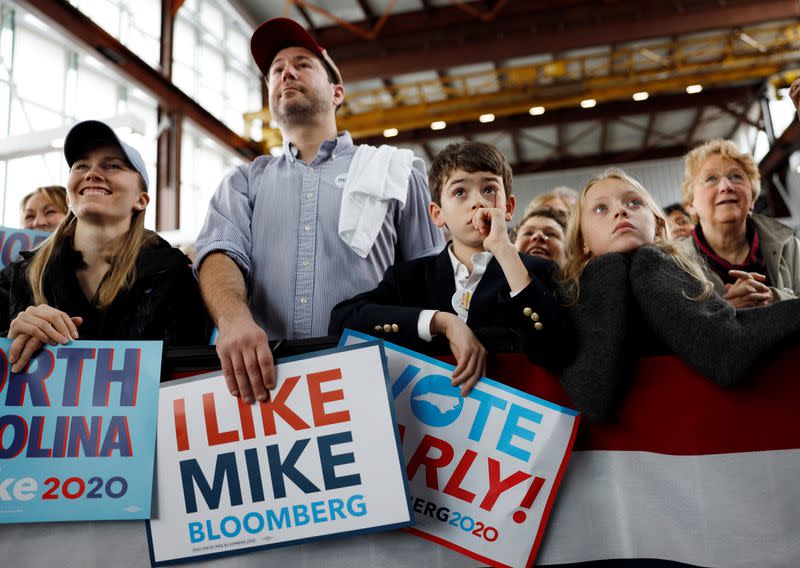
x=671 y=409
x=549 y=505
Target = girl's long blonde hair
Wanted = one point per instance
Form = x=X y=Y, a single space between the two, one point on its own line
x=123 y=252
x=577 y=257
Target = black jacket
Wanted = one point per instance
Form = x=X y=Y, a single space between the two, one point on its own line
x=391 y=310
x=163 y=303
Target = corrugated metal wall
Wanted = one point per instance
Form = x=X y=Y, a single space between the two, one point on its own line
x=661 y=177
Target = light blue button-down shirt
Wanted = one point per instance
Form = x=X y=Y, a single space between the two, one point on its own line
x=278 y=218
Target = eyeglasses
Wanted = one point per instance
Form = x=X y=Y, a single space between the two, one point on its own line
x=734 y=178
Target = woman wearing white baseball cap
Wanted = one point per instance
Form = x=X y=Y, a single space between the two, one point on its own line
x=101 y=274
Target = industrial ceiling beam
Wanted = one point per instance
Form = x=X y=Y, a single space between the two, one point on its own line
x=413 y=41
x=307 y=18
x=515 y=143
x=775 y=165
x=660 y=136
x=778 y=155
x=648 y=132
x=692 y=130
x=369 y=15
x=604 y=111
x=741 y=116
x=711 y=60
x=747 y=104
x=68 y=20
x=603 y=136
x=536 y=140
x=427 y=8
x=426 y=148
x=468 y=107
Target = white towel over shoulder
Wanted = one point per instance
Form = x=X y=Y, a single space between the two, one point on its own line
x=375 y=176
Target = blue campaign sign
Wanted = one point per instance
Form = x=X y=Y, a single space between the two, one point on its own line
x=12 y=241
x=77 y=432
x=483 y=469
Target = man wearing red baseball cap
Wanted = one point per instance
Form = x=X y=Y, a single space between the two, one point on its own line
x=270 y=258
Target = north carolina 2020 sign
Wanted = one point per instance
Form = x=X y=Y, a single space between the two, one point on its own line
x=77 y=432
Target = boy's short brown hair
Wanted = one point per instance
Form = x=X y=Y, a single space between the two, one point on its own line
x=471 y=157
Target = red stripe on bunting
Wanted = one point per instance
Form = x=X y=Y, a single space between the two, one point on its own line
x=672 y=409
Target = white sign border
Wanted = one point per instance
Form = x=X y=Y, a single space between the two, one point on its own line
x=338 y=535
x=348 y=333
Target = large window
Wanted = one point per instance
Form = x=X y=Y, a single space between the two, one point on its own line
x=137 y=24
x=203 y=165
x=46 y=85
x=212 y=64
x=212 y=61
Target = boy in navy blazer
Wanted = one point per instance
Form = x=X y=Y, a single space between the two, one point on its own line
x=478 y=280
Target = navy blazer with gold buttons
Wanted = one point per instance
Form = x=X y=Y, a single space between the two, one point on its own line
x=391 y=310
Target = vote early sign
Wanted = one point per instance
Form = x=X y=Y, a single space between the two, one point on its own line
x=483 y=470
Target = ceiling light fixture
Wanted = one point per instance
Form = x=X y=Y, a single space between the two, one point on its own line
x=588 y=103
x=438 y=125
x=390 y=132
x=537 y=110
x=694 y=89
x=641 y=96
x=489 y=117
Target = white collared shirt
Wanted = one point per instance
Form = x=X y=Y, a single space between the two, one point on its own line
x=466 y=283
x=296 y=266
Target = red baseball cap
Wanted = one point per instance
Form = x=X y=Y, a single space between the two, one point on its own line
x=279 y=33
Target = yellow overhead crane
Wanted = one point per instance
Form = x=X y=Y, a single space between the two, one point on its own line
x=724 y=57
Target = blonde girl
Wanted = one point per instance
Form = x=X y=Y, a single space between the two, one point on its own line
x=632 y=291
x=578 y=254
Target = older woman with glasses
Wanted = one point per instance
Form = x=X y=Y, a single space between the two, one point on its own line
x=752 y=260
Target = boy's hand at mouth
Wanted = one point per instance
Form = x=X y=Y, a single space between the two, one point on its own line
x=492 y=224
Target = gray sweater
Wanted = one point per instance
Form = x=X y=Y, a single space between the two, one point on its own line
x=617 y=290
